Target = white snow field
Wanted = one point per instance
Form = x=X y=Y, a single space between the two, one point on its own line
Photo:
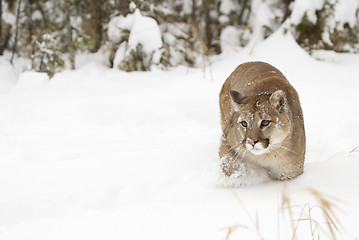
x=97 y=153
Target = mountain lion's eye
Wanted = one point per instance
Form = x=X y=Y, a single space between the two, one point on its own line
x=244 y=123
x=265 y=123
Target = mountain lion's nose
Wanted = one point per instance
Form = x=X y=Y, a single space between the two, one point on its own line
x=251 y=142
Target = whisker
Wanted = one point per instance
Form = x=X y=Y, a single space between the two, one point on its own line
x=272 y=154
x=244 y=154
x=281 y=156
x=241 y=135
x=236 y=155
x=285 y=148
x=233 y=147
x=239 y=157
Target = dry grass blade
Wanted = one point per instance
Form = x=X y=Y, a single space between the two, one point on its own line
x=354 y=150
x=255 y=223
x=287 y=205
x=327 y=207
x=301 y=219
x=233 y=228
x=325 y=202
x=332 y=226
x=323 y=208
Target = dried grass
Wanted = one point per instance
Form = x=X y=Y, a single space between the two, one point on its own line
x=233 y=228
x=354 y=150
x=321 y=205
x=254 y=222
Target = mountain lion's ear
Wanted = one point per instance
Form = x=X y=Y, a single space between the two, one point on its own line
x=278 y=100
x=237 y=98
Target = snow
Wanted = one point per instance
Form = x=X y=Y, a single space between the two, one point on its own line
x=230 y=39
x=120 y=54
x=187 y=6
x=132 y=6
x=345 y=12
x=31 y=80
x=36 y=15
x=262 y=15
x=9 y=18
x=143 y=31
x=117 y=25
x=8 y=76
x=305 y=7
x=97 y=153
x=226 y=6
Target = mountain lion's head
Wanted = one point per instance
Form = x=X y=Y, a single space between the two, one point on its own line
x=259 y=122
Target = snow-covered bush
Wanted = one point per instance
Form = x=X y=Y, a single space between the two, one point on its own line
x=345 y=34
x=178 y=45
x=46 y=55
x=139 y=40
x=327 y=24
x=233 y=38
x=151 y=36
x=242 y=21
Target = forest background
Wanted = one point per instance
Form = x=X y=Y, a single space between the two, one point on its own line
x=136 y=35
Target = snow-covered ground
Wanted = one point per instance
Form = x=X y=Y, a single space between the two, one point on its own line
x=97 y=153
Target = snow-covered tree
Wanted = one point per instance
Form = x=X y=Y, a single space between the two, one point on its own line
x=138 y=39
x=326 y=24
x=47 y=56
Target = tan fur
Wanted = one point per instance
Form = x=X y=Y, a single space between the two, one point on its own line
x=254 y=92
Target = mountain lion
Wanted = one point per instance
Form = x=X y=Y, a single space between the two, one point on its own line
x=262 y=123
